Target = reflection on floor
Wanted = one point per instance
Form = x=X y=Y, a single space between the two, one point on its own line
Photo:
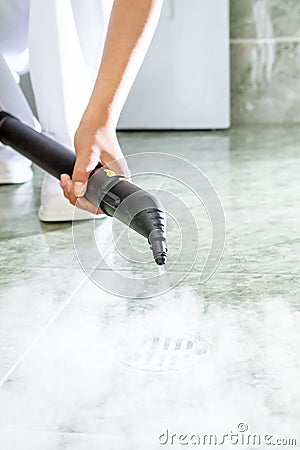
x=62 y=382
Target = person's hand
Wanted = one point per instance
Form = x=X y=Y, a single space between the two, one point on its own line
x=92 y=145
x=130 y=30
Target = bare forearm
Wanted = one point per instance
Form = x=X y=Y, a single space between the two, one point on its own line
x=131 y=28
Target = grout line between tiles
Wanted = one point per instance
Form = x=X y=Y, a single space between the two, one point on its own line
x=266 y=40
x=52 y=320
x=40 y=335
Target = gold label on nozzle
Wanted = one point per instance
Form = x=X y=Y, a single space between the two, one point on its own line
x=110 y=173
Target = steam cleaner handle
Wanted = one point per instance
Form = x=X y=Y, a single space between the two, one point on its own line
x=46 y=153
x=53 y=157
x=57 y=159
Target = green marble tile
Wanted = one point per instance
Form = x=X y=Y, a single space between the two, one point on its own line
x=248 y=167
x=19 y=212
x=29 y=298
x=222 y=289
x=265 y=86
x=19 y=205
x=25 y=241
x=264 y=18
x=45 y=249
x=241 y=19
x=255 y=175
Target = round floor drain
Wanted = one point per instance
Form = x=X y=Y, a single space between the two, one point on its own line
x=163 y=353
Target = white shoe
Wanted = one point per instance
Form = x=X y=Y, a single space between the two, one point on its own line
x=14 y=168
x=56 y=208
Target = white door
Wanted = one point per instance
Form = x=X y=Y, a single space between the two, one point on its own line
x=184 y=81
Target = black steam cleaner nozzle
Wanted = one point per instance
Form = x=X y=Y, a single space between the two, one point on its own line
x=116 y=196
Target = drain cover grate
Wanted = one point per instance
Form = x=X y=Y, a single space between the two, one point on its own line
x=164 y=353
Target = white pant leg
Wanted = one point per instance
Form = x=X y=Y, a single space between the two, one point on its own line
x=14 y=168
x=12 y=98
x=65 y=45
x=14 y=16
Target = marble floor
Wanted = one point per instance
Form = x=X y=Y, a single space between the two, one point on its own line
x=64 y=333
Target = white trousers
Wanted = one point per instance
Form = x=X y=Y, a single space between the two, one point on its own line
x=65 y=40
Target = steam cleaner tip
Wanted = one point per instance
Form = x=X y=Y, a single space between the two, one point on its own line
x=161 y=260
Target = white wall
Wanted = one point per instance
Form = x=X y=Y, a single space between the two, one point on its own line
x=184 y=81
